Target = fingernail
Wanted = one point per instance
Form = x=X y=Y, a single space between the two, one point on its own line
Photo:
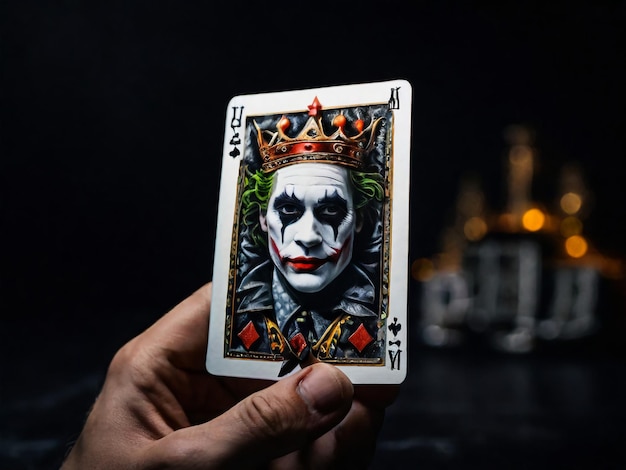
x=322 y=390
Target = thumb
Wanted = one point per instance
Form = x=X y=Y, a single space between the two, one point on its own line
x=265 y=425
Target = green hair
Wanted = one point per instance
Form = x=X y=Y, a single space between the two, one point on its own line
x=368 y=187
x=254 y=200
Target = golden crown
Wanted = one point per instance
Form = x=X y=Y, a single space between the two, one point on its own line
x=313 y=145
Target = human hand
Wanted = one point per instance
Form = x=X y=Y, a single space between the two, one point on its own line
x=159 y=408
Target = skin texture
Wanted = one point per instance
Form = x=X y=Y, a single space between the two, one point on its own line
x=311 y=224
x=160 y=409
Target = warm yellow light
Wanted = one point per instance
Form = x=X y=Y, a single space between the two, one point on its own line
x=475 y=228
x=571 y=226
x=533 y=219
x=571 y=203
x=576 y=246
x=422 y=269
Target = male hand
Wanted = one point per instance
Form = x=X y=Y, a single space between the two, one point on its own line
x=159 y=408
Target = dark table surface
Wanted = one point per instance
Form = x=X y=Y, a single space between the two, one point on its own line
x=465 y=410
x=557 y=407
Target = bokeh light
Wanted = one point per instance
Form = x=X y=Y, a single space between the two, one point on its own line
x=571 y=203
x=576 y=246
x=475 y=228
x=533 y=220
x=571 y=226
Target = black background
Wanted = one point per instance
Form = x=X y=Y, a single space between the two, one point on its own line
x=111 y=139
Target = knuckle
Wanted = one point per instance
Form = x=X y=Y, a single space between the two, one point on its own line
x=270 y=417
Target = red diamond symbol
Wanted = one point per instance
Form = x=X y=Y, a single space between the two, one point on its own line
x=298 y=343
x=360 y=338
x=248 y=335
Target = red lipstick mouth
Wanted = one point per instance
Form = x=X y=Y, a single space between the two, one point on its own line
x=302 y=264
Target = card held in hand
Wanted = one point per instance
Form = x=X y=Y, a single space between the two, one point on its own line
x=311 y=249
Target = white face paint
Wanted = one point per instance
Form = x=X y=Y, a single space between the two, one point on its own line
x=311 y=224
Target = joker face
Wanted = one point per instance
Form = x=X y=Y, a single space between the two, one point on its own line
x=311 y=223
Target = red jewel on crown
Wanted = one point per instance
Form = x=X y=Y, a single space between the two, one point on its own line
x=312 y=144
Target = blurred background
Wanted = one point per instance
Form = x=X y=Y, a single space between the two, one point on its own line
x=111 y=139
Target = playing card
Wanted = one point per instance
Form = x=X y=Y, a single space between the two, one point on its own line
x=311 y=259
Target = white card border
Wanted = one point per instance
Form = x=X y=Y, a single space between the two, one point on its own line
x=291 y=101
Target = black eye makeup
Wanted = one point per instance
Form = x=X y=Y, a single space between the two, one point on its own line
x=332 y=210
x=289 y=208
